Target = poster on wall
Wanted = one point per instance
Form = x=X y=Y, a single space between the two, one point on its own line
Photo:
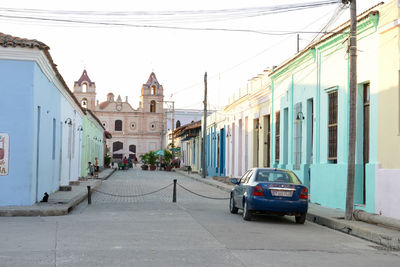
x=4 y=153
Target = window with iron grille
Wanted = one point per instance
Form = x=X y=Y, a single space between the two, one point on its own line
x=118 y=125
x=332 y=125
x=277 y=135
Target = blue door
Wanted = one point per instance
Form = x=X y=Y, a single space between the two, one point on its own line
x=221 y=158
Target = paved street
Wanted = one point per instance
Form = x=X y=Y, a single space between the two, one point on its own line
x=152 y=231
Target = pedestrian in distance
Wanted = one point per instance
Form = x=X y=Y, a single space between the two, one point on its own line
x=129 y=162
x=91 y=169
x=125 y=163
x=135 y=161
x=96 y=168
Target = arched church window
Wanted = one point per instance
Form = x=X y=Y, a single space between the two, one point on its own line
x=84 y=103
x=117 y=146
x=153 y=106
x=132 y=148
x=118 y=125
x=84 y=87
x=153 y=90
x=178 y=124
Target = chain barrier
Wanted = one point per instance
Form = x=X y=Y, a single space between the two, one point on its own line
x=141 y=195
x=153 y=192
x=214 y=198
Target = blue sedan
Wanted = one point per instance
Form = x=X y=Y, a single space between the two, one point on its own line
x=270 y=191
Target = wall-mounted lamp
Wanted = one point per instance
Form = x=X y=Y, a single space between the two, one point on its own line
x=299 y=116
x=79 y=128
x=68 y=121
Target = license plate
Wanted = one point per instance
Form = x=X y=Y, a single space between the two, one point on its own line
x=282 y=193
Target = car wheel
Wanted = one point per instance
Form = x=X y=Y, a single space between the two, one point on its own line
x=232 y=207
x=301 y=219
x=246 y=212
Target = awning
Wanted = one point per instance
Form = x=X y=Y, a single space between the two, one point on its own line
x=160 y=152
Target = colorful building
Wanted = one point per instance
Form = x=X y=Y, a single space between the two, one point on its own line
x=310 y=101
x=188 y=139
x=93 y=140
x=39 y=125
x=247 y=127
x=215 y=144
x=387 y=100
x=296 y=116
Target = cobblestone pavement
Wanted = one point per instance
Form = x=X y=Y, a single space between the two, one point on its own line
x=152 y=231
x=136 y=182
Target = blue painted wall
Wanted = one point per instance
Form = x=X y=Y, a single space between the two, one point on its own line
x=47 y=97
x=213 y=169
x=25 y=88
x=16 y=101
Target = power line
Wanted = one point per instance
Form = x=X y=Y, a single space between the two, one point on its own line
x=249 y=58
x=249 y=11
x=153 y=19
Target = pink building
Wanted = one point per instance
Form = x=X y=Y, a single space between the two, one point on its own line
x=134 y=131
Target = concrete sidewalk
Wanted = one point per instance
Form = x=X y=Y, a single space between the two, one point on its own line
x=332 y=218
x=60 y=202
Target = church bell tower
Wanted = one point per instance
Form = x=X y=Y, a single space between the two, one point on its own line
x=85 y=91
x=151 y=99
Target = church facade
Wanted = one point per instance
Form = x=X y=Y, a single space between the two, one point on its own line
x=134 y=131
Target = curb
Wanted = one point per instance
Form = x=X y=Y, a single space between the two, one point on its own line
x=54 y=209
x=385 y=240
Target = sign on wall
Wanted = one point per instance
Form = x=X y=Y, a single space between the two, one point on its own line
x=4 y=153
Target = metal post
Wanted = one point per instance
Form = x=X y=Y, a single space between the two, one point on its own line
x=173 y=123
x=89 y=196
x=203 y=152
x=174 y=192
x=352 y=112
x=298 y=43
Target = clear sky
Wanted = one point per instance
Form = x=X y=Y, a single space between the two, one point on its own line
x=120 y=58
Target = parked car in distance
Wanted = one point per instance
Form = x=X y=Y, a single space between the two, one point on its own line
x=269 y=191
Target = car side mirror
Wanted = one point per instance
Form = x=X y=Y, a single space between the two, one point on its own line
x=235 y=181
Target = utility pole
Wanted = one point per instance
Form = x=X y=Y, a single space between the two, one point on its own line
x=352 y=112
x=203 y=152
x=298 y=43
x=172 y=118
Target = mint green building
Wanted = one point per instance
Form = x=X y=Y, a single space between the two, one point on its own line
x=310 y=115
x=92 y=136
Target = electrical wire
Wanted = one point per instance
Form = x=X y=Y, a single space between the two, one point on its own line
x=211 y=77
x=159 y=18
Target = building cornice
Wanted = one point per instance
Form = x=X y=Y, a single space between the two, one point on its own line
x=41 y=59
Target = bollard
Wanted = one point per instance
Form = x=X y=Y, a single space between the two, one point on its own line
x=174 y=192
x=89 y=196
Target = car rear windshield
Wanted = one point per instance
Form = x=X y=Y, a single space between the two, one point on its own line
x=277 y=177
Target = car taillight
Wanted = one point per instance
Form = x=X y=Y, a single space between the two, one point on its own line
x=304 y=193
x=258 y=191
